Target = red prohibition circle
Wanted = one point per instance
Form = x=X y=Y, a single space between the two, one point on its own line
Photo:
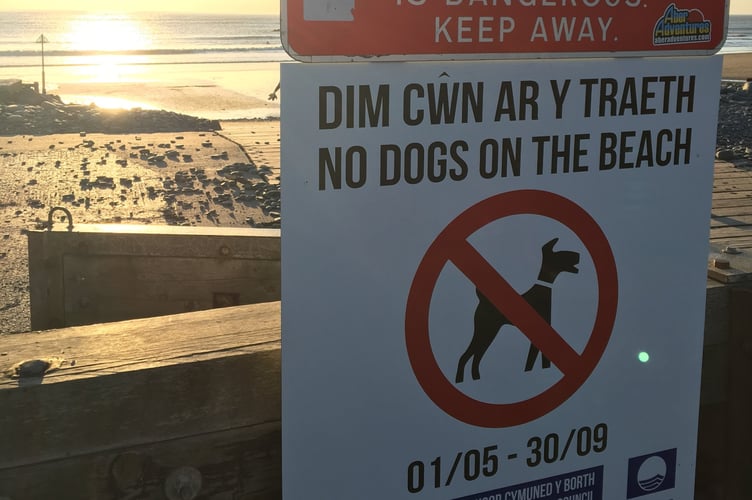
x=451 y=244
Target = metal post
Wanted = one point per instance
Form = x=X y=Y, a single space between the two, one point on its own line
x=42 y=40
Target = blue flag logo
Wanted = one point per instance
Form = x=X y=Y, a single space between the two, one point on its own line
x=651 y=473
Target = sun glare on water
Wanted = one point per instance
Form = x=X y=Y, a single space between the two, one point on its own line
x=107 y=46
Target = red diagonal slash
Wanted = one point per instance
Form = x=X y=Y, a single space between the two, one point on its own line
x=514 y=307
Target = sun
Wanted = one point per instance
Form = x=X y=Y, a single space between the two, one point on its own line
x=106 y=45
x=107 y=32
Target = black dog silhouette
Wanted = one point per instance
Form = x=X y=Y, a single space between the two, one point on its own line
x=488 y=319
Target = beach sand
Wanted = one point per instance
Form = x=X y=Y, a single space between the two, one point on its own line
x=737 y=66
x=31 y=180
x=106 y=179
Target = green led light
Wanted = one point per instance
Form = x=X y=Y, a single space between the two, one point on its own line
x=644 y=357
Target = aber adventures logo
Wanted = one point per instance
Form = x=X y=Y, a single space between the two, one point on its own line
x=681 y=26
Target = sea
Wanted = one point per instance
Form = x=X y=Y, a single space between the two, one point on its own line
x=738 y=36
x=111 y=47
x=80 y=38
x=240 y=53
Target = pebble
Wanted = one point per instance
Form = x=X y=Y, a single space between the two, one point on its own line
x=734 y=136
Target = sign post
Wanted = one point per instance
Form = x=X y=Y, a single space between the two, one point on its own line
x=472 y=306
x=42 y=39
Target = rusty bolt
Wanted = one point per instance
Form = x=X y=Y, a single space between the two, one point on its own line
x=30 y=368
x=721 y=264
x=128 y=470
x=224 y=251
x=731 y=250
x=183 y=483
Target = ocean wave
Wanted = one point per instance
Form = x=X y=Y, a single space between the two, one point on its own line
x=226 y=38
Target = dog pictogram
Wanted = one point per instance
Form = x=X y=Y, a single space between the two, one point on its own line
x=451 y=246
x=488 y=320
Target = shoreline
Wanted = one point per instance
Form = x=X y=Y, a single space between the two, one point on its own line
x=215 y=91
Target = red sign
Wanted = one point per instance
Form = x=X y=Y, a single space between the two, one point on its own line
x=452 y=245
x=338 y=30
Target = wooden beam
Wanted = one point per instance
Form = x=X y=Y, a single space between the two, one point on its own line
x=155 y=387
x=739 y=405
x=104 y=273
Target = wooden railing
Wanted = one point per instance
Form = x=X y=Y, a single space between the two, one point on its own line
x=132 y=409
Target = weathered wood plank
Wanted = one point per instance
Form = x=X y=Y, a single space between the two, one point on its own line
x=730 y=221
x=740 y=242
x=113 y=288
x=108 y=348
x=243 y=464
x=730 y=175
x=741 y=183
x=732 y=211
x=711 y=453
x=728 y=232
x=732 y=202
x=82 y=276
x=170 y=241
x=141 y=381
x=732 y=195
x=726 y=174
x=739 y=406
x=729 y=166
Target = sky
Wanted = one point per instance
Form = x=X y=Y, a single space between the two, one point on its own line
x=216 y=6
x=741 y=7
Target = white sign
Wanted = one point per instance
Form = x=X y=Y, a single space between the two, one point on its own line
x=493 y=277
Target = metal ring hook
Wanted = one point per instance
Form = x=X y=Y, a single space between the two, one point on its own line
x=67 y=214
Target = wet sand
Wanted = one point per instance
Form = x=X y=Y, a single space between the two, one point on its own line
x=737 y=66
x=214 y=91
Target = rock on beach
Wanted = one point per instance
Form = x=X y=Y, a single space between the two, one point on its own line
x=23 y=111
x=734 y=136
